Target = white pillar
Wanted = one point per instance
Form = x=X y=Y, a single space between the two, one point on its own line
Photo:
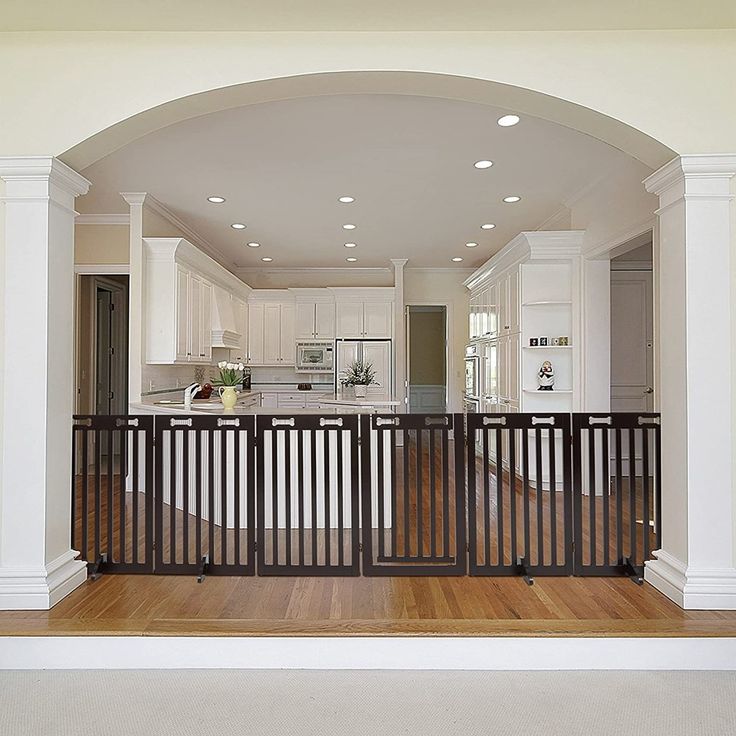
x=135 y=295
x=37 y=565
x=696 y=565
x=400 y=333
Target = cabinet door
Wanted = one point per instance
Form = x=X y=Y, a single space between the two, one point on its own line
x=195 y=317
x=513 y=361
x=305 y=320
x=271 y=334
x=349 y=319
x=255 y=334
x=288 y=348
x=347 y=353
x=324 y=320
x=503 y=367
x=484 y=313
x=182 y=314
x=489 y=374
x=379 y=355
x=240 y=310
x=269 y=400
x=512 y=299
x=377 y=319
x=204 y=353
x=474 y=318
x=503 y=310
x=493 y=310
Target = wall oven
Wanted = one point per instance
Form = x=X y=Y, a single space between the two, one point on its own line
x=314 y=356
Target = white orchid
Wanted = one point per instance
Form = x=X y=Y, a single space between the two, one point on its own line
x=222 y=364
x=231 y=374
x=241 y=367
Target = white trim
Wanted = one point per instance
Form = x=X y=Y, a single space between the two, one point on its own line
x=38 y=589
x=101 y=269
x=368 y=653
x=242 y=271
x=443 y=269
x=622 y=236
x=111 y=219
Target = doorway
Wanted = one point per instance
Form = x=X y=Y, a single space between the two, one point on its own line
x=632 y=331
x=426 y=354
x=102 y=345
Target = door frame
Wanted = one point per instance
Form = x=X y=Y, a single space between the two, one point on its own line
x=453 y=404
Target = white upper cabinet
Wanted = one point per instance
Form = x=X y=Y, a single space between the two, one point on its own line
x=178 y=301
x=508 y=290
x=315 y=320
x=240 y=313
x=271 y=333
x=369 y=319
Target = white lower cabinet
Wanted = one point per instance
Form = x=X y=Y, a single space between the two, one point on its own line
x=269 y=400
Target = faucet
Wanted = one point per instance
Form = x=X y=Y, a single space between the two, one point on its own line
x=189 y=392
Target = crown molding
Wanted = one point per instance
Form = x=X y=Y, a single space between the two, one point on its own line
x=43 y=169
x=701 y=165
x=619 y=238
x=440 y=269
x=99 y=219
x=244 y=270
x=189 y=233
x=134 y=198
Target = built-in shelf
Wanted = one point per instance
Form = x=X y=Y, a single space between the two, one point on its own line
x=546 y=303
x=546 y=347
x=545 y=393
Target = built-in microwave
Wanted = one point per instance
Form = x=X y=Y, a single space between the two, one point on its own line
x=314 y=356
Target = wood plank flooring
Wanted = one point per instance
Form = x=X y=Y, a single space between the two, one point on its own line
x=160 y=605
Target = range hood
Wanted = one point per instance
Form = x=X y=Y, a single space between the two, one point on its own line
x=224 y=330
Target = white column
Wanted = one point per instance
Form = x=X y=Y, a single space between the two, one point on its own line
x=400 y=332
x=135 y=295
x=37 y=566
x=696 y=565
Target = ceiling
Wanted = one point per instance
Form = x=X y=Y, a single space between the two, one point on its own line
x=378 y=15
x=407 y=161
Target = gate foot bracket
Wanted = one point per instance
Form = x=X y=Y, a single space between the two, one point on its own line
x=630 y=571
x=521 y=570
x=96 y=568
x=203 y=565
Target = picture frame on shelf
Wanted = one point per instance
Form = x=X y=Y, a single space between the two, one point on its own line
x=533 y=342
x=543 y=342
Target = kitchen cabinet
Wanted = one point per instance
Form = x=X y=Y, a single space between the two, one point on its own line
x=508 y=299
x=315 y=320
x=240 y=313
x=271 y=333
x=371 y=319
x=270 y=400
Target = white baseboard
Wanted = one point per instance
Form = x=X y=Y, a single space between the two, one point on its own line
x=391 y=653
x=702 y=589
x=38 y=589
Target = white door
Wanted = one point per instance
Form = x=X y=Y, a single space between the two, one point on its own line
x=288 y=347
x=631 y=341
x=195 y=317
x=324 y=320
x=271 y=334
x=205 y=323
x=377 y=319
x=379 y=355
x=182 y=314
x=349 y=319
x=348 y=351
x=255 y=334
x=305 y=320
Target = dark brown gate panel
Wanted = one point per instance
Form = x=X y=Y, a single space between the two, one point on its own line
x=413 y=511
x=112 y=492
x=617 y=491
x=519 y=494
x=205 y=511
x=308 y=495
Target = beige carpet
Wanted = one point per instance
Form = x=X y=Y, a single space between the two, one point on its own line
x=184 y=703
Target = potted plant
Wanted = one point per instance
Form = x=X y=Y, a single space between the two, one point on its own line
x=359 y=375
x=231 y=375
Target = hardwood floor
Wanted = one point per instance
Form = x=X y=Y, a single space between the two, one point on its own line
x=159 y=605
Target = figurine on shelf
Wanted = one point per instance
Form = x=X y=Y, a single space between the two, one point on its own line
x=546 y=377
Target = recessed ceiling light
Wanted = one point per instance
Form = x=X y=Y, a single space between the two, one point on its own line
x=508 y=120
x=350 y=245
x=347 y=200
x=485 y=164
x=487 y=226
x=348 y=227
x=471 y=245
x=216 y=200
x=266 y=259
x=238 y=226
x=512 y=198
x=457 y=259
x=350 y=259
x=254 y=245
